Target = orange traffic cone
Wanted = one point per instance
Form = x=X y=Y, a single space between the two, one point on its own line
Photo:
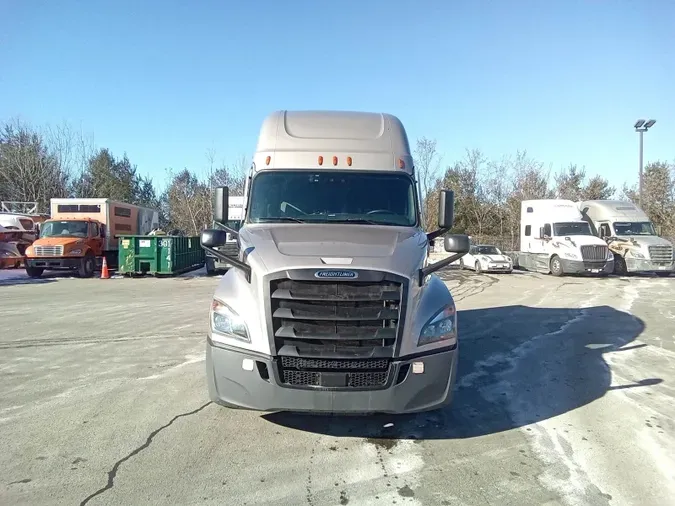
x=104 y=270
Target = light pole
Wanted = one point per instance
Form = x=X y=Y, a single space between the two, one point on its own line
x=642 y=126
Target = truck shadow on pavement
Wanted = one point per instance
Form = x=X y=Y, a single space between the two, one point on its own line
x=518 y=365
x=16 y=280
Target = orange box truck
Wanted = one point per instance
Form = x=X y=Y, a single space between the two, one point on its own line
x=81 y=232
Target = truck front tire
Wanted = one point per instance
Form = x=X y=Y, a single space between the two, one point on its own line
x=556 y=266
x=620 y=265
x=210 y=265
x=34 y=272
x=87 y=266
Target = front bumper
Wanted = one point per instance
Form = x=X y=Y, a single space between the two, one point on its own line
x=642 y=265
x=495 y=268
x=584 y=267
x=54 y=263
x=232 y=386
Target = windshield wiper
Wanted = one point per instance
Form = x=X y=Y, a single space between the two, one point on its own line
x=362 y=221
x=280 y=218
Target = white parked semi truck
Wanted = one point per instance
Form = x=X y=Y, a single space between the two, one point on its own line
x=235 y=214
x=554 y=238
x=630 y=236
x=332 y=305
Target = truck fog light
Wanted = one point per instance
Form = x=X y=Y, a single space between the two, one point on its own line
x=418 y=367
x=247 y=364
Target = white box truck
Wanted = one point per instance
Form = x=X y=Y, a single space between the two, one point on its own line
x=332 y=305
x=81 y=232
x=554 y=238
x=630 y=236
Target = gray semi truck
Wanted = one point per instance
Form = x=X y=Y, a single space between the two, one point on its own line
x=630 y=236
x=332 y=304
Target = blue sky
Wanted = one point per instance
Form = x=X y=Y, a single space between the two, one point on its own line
x=165 y=81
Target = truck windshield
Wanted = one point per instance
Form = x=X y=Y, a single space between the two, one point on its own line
x=487 y=250
x=64 y=229
x=634 y=228
x=571 y=228
x=234 y=224
x=333 y=197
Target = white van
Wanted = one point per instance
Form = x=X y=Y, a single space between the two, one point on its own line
x=554 y=238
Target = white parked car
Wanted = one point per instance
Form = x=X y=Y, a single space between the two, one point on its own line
x=486 y=258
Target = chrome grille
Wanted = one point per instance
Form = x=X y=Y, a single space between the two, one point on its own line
x=594 y=252
x=48 y=251
x=661 y=253
x=335 y=334
x=338 y=315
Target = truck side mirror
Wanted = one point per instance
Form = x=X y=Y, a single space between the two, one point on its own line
x=457 y=243
x=212 y=238
x=220 y=204
x=446 y=209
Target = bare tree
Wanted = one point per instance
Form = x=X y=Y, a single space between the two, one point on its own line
x=569 y=183
x=659 y=196
x=427 y=168
x=29 y=169
x=232 y=176
x=188 y=202
x=598 y=188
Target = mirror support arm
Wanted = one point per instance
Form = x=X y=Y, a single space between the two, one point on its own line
x=226 y=229
x=436 y=233
x=231 y=260
x=430 y=269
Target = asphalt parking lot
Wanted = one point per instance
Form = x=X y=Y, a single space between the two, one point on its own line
x=564 y=396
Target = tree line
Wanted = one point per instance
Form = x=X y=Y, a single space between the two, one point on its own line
x=488 y=192
x=37 y=164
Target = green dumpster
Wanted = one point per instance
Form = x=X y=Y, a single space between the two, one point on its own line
x=159 y=254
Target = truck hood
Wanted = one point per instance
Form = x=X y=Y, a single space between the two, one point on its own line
x=578 y=240
x=495 y=258
x=645 y=240
x=58 y=241
x=399 y=250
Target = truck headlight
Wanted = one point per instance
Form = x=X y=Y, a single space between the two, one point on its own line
x=570 y=255
x=441 y=327
x=225 y=321
x=610 y=255
x=75 y=252
x=637 y=254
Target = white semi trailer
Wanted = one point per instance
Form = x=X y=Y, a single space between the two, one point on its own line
x=332 y=305
x=630 y=236
x=555 y=239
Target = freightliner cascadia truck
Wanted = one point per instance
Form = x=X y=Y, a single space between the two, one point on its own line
x=331 y=304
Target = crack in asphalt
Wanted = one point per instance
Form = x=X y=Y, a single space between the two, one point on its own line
x=40 y=343
x=113 y=472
